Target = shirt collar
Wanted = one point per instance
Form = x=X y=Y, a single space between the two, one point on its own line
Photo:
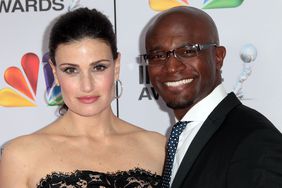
x=201 y=110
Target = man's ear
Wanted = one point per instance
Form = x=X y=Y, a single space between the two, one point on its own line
x=117 y=67
x=54 y=71
x=220 y=52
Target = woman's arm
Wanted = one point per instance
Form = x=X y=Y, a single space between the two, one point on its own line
x=13 y=167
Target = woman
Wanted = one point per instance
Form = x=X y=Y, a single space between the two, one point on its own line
x=88 y=146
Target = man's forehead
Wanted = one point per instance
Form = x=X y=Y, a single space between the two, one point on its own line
x=182 y=25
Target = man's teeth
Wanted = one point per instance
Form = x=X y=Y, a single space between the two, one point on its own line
x=178 y=83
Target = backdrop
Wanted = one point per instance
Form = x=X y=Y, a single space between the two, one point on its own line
x=250 y=30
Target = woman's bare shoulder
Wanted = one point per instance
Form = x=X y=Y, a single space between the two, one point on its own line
x=25 y=146
x=151 y=149
x=147 y=135
x=154 y=137
x=19 y=146
x=135 y=129
x=17 y=154
x=19 y=157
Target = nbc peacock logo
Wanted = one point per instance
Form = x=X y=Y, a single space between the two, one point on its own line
x=160 y=5
x=22 y=82
x=53 y=93
x=211 y=4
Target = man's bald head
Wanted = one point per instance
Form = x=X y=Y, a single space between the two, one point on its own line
x=196 y=22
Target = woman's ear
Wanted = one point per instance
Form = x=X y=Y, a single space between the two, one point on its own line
x=117 y=67
x=54 y=71
x=220 y=52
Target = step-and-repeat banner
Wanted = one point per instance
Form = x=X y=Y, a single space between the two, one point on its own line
x=250 y=30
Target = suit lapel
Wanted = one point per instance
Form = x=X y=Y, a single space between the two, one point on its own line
x=208 y=128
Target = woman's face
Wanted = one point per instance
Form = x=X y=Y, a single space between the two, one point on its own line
x=86 y=72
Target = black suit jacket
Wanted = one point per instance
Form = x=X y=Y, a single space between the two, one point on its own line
x=236 y=147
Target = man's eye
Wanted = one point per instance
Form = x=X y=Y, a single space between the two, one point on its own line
x=70 y=70
x=186 y=52
x=100 y=67
x=157 y=56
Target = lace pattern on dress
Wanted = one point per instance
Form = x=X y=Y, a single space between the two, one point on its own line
x=136 y=178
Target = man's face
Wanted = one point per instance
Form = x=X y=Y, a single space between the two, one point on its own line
x=182 y=82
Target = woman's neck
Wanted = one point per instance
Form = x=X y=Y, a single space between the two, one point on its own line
x=102 y=124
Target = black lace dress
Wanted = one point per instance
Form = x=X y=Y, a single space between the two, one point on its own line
x=137 y=178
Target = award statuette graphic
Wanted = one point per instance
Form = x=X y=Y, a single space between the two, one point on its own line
x=248 y=54
x=74 y=5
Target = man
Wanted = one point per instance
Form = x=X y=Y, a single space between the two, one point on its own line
x=225 y=144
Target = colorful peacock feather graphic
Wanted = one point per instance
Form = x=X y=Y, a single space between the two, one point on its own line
x=53 y=92
x=161 y=5
x=211 y=4
x=24 y=86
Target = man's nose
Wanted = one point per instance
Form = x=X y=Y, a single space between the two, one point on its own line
x=173 y=63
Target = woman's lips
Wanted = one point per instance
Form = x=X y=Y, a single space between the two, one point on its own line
x=88 y=99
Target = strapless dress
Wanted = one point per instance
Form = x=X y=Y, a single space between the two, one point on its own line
x=135 y=178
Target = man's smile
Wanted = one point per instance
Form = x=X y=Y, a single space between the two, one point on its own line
x=178 y=83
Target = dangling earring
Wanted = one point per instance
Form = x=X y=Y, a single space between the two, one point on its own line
x=118 y=95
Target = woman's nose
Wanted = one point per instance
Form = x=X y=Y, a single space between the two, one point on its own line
x=86 y=82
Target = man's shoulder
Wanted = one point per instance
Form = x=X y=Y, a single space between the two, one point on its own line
x=243 y=121
x=248 y=115
x=240 y=113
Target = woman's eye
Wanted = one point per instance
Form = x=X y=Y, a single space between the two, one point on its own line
x=70 y=70
x=99 y=67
